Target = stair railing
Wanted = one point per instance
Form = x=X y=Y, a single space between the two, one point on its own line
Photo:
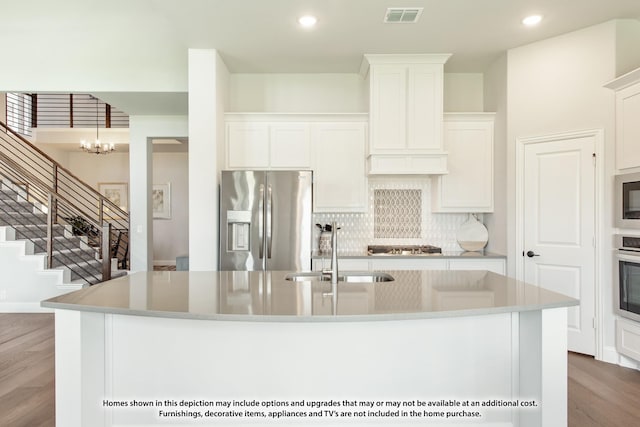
x=58 y=236
x=66 y=199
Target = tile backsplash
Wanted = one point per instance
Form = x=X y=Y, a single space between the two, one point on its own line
x=399 y=213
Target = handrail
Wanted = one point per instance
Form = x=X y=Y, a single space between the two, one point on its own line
x=60 y=167
x=67 y=198
x=50 y=191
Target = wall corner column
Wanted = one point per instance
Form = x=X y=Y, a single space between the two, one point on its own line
x=140 y=182
x=206 y=128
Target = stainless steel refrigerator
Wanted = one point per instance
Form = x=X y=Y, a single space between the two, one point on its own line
x=265 y=220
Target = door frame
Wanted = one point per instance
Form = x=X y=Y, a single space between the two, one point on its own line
x=599 y=185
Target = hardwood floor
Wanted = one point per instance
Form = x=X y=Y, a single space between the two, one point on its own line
x=27 y=388
x=164 y=268
x=600 y=394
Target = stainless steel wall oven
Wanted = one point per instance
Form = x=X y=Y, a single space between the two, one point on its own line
x=627 y=288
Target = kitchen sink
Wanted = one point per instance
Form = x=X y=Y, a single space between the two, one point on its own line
x=306 y=276
x=347 y=276
x=365 y=277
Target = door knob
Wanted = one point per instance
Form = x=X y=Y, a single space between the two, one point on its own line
x=531 y=254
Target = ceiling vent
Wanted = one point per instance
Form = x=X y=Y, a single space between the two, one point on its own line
x=402 y=15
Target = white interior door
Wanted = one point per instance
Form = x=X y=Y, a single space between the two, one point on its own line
x=559 y=227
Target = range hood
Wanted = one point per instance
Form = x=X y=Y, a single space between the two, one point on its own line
x=408 y=164
x=406 y=114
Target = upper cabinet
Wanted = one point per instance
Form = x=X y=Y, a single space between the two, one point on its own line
x=405 y=116
x=332 y=145
x=627 y=89
x=259 y=143
x=468 y=187
x=340 y=178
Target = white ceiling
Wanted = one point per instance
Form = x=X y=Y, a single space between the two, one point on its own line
x=262 y=36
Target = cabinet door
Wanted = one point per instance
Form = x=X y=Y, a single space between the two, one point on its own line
x=388 y=108
x=247 y=145
x=627 y=127
x=340 y=180
x=344 y=264
x=400 y=263
x=424 y=107
x=289 y=146
x=495 y=265
x=468 y=187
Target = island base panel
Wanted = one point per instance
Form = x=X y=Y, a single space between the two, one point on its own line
x=111 y=357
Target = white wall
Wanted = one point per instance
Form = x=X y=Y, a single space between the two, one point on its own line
x=116 y=51
x=334 y=93
x=3 y=108
x=60 y=156
x=171 y=236
x=94 y=169
x=208 y=80
x=308 y=93
x=495 y=100
x=463 y=92
x=555 y=86
x=627 y=46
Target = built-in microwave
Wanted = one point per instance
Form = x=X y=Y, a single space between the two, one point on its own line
x=627 y=209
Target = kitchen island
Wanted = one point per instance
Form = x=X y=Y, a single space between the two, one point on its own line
x=252 y=348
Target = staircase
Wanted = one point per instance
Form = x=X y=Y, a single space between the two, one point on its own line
x=73 y=228
x=70 y=251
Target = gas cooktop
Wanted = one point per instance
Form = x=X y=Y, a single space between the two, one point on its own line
x=410 y=250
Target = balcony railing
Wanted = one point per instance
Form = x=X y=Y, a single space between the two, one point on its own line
x=54 y=110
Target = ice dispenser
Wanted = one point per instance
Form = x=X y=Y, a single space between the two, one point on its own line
x=238 y=230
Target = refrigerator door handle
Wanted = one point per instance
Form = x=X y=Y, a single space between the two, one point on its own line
x=261 y=220
x=269 y=221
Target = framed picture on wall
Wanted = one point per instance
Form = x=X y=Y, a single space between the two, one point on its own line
x=116 y=192
x=161 y=200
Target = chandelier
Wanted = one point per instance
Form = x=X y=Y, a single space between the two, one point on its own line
x=97 y=147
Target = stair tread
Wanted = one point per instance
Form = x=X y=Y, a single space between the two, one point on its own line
x=69 y=252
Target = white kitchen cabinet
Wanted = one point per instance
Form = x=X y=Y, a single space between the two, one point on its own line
x=406 y=108
x=496 y=265
x=247 y=145
x=627 y=89
x=289 y=146
x=344 y=264
x=468 y=187
x=628 y=338
x=338 y=163
x=380 y=263
x=267 y=145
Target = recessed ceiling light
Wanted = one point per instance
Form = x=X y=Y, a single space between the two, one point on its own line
x=307 y=21
x=532 y=20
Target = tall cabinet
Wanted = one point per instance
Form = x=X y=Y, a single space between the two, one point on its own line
x=627 y=89
x=406 y=108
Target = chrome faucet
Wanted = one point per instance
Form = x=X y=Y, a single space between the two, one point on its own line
x=334 y=255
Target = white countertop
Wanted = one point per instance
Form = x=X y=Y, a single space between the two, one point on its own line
x=267 y=296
